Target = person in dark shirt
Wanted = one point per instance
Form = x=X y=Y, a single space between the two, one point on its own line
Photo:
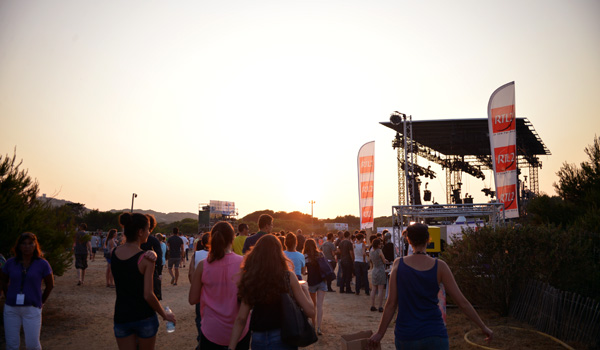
x=154 y=244
x=388 y=248
x=346 y=251
x=265 y=225
x=175 y=246
x=135 y=321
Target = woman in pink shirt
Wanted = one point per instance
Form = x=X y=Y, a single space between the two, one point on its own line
x=214 y=285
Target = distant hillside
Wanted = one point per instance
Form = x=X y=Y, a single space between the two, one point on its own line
x=166 y=218
x=160 y=217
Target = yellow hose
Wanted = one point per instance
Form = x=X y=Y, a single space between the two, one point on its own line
x=518 y=328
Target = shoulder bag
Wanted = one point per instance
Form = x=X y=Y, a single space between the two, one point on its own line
x=295 y=328
x=326 y=271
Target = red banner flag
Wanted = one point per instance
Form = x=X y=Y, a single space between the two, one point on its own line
x=366 y=175
x=503 y=143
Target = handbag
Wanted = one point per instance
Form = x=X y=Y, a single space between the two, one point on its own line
x=295 y=328
x=326 y=271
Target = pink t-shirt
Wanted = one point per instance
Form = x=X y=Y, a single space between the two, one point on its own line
x=218 y=299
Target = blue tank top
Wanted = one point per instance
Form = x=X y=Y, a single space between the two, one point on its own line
x=418 y=313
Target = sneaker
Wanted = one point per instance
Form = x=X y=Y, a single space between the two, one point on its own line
x=380 y=309
x=373 y=308
x=319 y=331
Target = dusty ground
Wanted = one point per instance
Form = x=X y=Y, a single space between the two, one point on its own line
x=81 y=318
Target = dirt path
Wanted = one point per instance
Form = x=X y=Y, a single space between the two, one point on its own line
x=81 y=317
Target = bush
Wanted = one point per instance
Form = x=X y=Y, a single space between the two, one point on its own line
x=491 y=263
x=21 y=211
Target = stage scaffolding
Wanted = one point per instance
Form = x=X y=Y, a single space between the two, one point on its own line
x=458 y=146
x=403 y=215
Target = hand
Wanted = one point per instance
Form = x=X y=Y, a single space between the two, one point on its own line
x=489 y=333
x=374 y=340
x=150 y=255
x=170 y=316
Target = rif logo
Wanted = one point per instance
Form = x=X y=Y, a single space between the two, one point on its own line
x=503 y=119
x=506 y=158
x=367 y=214
x=508 y=196
x=366 y=189
x=366 y=164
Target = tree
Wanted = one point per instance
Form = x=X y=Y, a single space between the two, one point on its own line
x=580 y=186
x=21 y=211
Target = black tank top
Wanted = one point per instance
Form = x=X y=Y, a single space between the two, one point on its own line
x=130 y=305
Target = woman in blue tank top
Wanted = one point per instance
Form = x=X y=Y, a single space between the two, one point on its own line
x=414 y=287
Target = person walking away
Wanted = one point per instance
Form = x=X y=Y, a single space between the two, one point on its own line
x=81 y=248
x=21 y=282
x=135 y=320
x=214 y=287
x=265 y=275
x=296 y=258
x=328 y=249
x=153 y=244
x=186 y=243
x=378 y=275
x=361 y=266
x=316 y=284
x=109 y=245
x=346 y=252
x=414 y=286
x=238 y=242
x=175 y=246
x=265 y=225
x=201 y=253
x=95 y=242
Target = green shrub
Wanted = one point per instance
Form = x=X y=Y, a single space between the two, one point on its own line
x=491 y=263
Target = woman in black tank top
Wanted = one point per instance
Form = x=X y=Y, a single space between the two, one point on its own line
x=135 y=321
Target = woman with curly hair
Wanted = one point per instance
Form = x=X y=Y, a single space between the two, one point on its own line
x=266 y=274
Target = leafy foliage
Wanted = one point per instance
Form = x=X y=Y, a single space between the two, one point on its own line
x=21 y=211
x=491 y=263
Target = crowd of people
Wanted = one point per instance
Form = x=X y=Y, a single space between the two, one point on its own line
x=236 y=282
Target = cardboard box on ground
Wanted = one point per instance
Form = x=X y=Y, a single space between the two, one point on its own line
x=357 y=341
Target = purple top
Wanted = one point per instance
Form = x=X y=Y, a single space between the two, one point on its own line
x=32 y=289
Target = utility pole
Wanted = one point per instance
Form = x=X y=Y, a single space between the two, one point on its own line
x=312 y=227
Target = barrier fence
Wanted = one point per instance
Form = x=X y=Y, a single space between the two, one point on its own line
x=564 y=315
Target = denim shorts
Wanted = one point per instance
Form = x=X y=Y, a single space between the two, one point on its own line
x=438 y=343
x=269 y=340
x=321 y=286
x=146 y=328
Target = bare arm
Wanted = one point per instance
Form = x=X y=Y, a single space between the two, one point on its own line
x=446 y=277
x=146 y=267
x=301 y=295
x=389 y=309
x=383 y=257
x=192 y=267
x=239 y=324
x=196 y=287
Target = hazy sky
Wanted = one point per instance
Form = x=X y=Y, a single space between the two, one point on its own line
x=266 y=103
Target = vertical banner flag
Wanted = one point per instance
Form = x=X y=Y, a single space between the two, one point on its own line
x=502 y=124
x=366 y=175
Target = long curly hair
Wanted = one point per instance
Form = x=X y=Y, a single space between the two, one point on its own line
x=262 y=276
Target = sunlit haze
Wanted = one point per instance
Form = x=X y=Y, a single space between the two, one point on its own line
x=266 y=103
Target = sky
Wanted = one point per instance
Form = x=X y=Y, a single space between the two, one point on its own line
x=266 y=103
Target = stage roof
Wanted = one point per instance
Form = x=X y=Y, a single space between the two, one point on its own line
x=469 y=137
